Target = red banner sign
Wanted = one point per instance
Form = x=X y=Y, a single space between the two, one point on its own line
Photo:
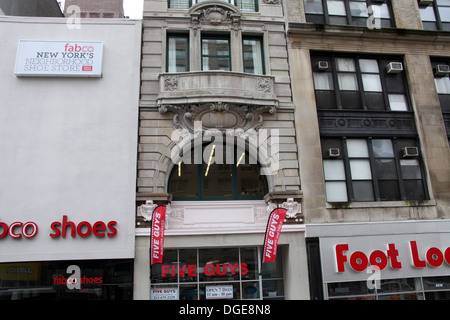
x=273 y=231
x=157 y=235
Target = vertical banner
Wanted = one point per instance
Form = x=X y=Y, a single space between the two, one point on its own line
x=157 y=235
x=273 y=231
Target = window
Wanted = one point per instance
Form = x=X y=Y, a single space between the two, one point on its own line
x=216 y=53
x=243 y=5
x=346 y=12
x=372 y=170
x=441 y=69
x=436 y=16
x=177 y=53
x=189 y=272
x=361 y=83
x=253 y=55
x=224 y=174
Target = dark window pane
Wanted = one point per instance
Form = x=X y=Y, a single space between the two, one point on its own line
x=184 y=180
x=325 y=100
x=350 y=100
x=375 y=101
x=385 y=169
x=414 y=190
x=389 y=190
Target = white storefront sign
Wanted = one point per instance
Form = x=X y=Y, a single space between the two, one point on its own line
x=59 y=59
x=164 y=294
x=219 y=292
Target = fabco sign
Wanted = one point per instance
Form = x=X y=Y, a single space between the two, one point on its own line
x=66 y=228
x=59 y=59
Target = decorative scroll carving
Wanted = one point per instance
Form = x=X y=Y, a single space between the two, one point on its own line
x=171 y=83
x=293 y=208
x=215 y=14
x=272 y=1
x=218 y=115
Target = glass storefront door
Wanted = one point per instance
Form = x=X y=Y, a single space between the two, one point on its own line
x=217 y=273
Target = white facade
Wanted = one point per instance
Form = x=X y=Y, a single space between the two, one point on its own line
x=68 y=146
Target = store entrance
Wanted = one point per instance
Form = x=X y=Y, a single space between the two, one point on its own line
x=217 y=274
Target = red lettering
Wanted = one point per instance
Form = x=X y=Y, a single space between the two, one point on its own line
x=98 y=229
x=66 y=224
x=358 y=261
x=392 y=253
x=435 y=257
x=340 y=257
x=379 y=259
x=111 y=227
x=209 y=270
x=33 y=227
x=54 y=226
x=192 y=270
x=12 y=233
x=221 y=269
x=5 y=229
x=80 y=229
x=244 y=269
x=447 y=255
x=415 y=256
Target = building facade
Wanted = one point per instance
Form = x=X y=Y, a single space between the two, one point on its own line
x=68 y=158
x=217 y=144
x=372 y=96
x=356 y=94
x=95 y=9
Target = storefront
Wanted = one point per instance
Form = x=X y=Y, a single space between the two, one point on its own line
x=98 y=279
x=408 y=260
x=218 y=273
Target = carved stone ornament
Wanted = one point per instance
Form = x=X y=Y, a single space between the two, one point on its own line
x=218 y=115
x=293 y=208
x=146 y=210
x=272 y=1
x=215 y=13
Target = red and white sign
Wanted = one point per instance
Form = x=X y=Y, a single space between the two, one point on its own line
x=157 y=235
x=59 y=59
x=273 y=232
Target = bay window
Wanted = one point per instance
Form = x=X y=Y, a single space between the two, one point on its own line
x=372 y=169
x=359 y=83
x=253 y=55
x=177 y=53
x=216 y=52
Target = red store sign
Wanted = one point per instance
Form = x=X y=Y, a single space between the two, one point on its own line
x=64 y=228
x=419 y=257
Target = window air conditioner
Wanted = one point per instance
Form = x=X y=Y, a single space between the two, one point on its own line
x=424 y=3
x=442 y=70
x=322 y=65
x=410 y=152
x=394 y=67
x=333 y=152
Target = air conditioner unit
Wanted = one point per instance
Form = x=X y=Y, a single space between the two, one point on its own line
x=410 y=152
x=442 y=70
x=424 y=3
x=322 y=65
x=333 y=153
x=394 y=67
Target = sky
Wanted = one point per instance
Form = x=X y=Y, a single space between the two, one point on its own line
x=132 y=8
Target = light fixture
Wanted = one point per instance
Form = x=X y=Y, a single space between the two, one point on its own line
x=209 y=161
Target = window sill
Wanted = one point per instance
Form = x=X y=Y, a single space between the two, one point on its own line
x=380 y=204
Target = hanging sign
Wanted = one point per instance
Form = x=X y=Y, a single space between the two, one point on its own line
x=157 y=235
x=273 y=231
